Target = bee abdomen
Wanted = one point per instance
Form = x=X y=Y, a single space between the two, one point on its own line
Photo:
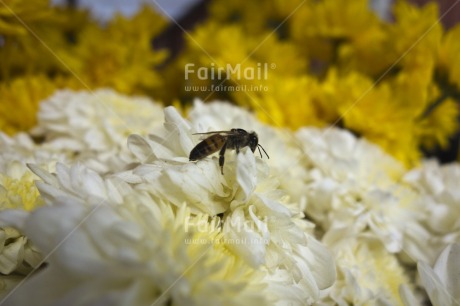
x=207 y=147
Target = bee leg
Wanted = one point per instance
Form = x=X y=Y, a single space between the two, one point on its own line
x=222 y=158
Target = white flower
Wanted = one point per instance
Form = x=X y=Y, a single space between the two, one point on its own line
x=18 y=191
x=98 y=120
x=268 y=235
x=166 y=173
x=354 y=186
x=367 y=274
x=21 y=148
x=101 y=237
x=317 y=274
x=438 y=206
x=260 y=225
x=127 y=232
x=286 y=155
x=95 y=125
x=166 y=230
x=134 y=253
x=442 y=282
x=439 y=187
x=17 y=254
x=17 y=186
x=78 y=183
x=173 y=143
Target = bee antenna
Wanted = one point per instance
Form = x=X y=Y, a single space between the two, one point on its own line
x=258 y=147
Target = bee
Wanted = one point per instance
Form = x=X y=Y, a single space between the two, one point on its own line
x=235 y=139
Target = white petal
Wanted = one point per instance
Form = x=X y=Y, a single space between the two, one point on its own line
x=12 y=255
x=50 y=193
x=447 y=268
x=246 y=175
x=242 y=239
x=140 y=148
x=322 y=264
x=407 y=296
x=43 y=174
x=439 y=296
x=175 y=124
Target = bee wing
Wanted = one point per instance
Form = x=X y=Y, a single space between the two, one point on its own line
x=215 y=132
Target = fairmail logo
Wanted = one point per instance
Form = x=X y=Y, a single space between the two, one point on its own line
x=236 y=72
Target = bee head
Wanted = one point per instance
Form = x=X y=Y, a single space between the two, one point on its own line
x=253 y=141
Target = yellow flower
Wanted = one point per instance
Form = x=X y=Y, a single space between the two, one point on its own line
x=449 y=61
x=340 y=19
x=376 y=113
x=210 y=49
x=243 y=12
x=442 y=122
x=66 y=45
x=120 y=56
x=320 y=27
x=255 y=17
x=276 y=106
x=214 y=39
x=347 y=54
x=12 y=12
x=361 y=52
x=248 y=51
x=416 y=35
x=19 y=100
x=32 y=33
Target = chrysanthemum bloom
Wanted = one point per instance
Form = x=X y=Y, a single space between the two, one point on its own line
x=94 y=125
x=440 y=198
x=373 y=214
x=355 y=195
x=171 y=231
x=18 y=256
x=126 y=249
x=247 y=194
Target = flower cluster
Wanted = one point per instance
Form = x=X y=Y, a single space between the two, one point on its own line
x=393 y=82
x=162 y=229
x=44 y=48
x=328 y=219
